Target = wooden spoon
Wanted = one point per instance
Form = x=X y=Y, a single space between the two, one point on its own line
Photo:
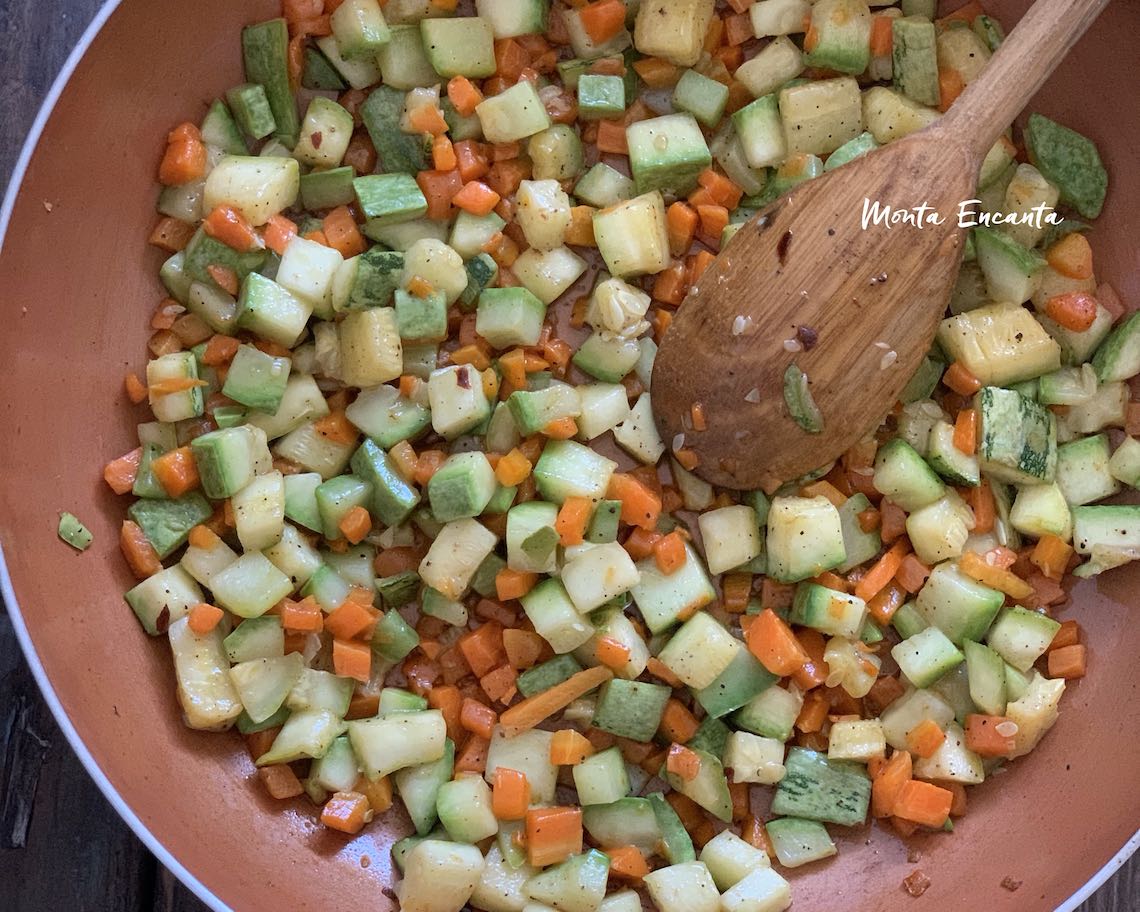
x=856 y=310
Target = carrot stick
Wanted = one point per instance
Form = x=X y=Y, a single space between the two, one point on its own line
x=533 y=710
x=553 y=834
x=882 y=571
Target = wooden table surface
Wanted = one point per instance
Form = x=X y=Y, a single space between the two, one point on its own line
x=62 y=847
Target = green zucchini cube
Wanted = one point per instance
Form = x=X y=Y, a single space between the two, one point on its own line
x=667 y=153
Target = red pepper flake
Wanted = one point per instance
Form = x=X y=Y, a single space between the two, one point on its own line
x=807 y=336
x=463 y=378
x=916 y=883
x=316 y=138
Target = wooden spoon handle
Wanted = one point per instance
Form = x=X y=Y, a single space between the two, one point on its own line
x=1017 y=70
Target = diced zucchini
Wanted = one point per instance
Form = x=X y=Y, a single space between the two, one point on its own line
x=959 y=606
x=804 y=538
x=1018 y=438
x=529 y=753
x=672 y=29
x=632 y=236
x=820 y=116
x=686 y=887
x=818 y=788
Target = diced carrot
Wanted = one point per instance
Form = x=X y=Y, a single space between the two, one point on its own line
x=611 y=137
x=772 y=642
x=975 y=566
x=553 y=834
x=304 y=616
x=203 y=618
x=983 y=737
x=1074 y=310
x=738 y=29
x=923 y=803
x=483 y=648
x=439 y=189
x=185 y=157
x=342 y=233
x=533 y=710
x=141 y=556
x=723 y=190
x=476 y=198
x=1068 y=661
x=669 y=553
x=561 y=428
x=427 y=119
x=639 y=505
x=612 y=652
x=226 y=224
x=882 y=571
x=1068 y=635
x=464 y=95
x=349 y=620
x=477 y=718
x=699 y=262
x=959 y=378
x=171 y=234
x=224 y=277
x=628 y=863
x=580 y=232
x=336 y=427
x=443 y=154
x=950 y=86
x=512 y=468
x=824 y=488
x=736 y=589
x=672 y=284
x=912 y=573
x=120 y=474
x=472 y=160
x=925 y=738
x=883 y=605
x=682 y=762
x=220 y=350
x=754 y=833
x=714 y=34
x=346 y=812
x=660 y=670
x=888 y=784
x=355 y=525
x=569 y=748
x=572 y=519
x=514 y=584
x=882 y=38
x=966 y=431
x=982 y=502
x=506 y=176
x=1072 y=256
x=510 y=794
x=657 y=73
x=177 y=471
x=681 y=221
x=678 y=725
x=814 y=712
x=473 y=757
x=352 y=660
x=1051 y=556
x=280 y=781
x=523 y=647
x=602 y=20
x=278 y=232
x=406 y=460
x=449 y=701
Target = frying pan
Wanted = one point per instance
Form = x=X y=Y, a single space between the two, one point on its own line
x=78 y=285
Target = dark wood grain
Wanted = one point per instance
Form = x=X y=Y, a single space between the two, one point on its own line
x=62 y=847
